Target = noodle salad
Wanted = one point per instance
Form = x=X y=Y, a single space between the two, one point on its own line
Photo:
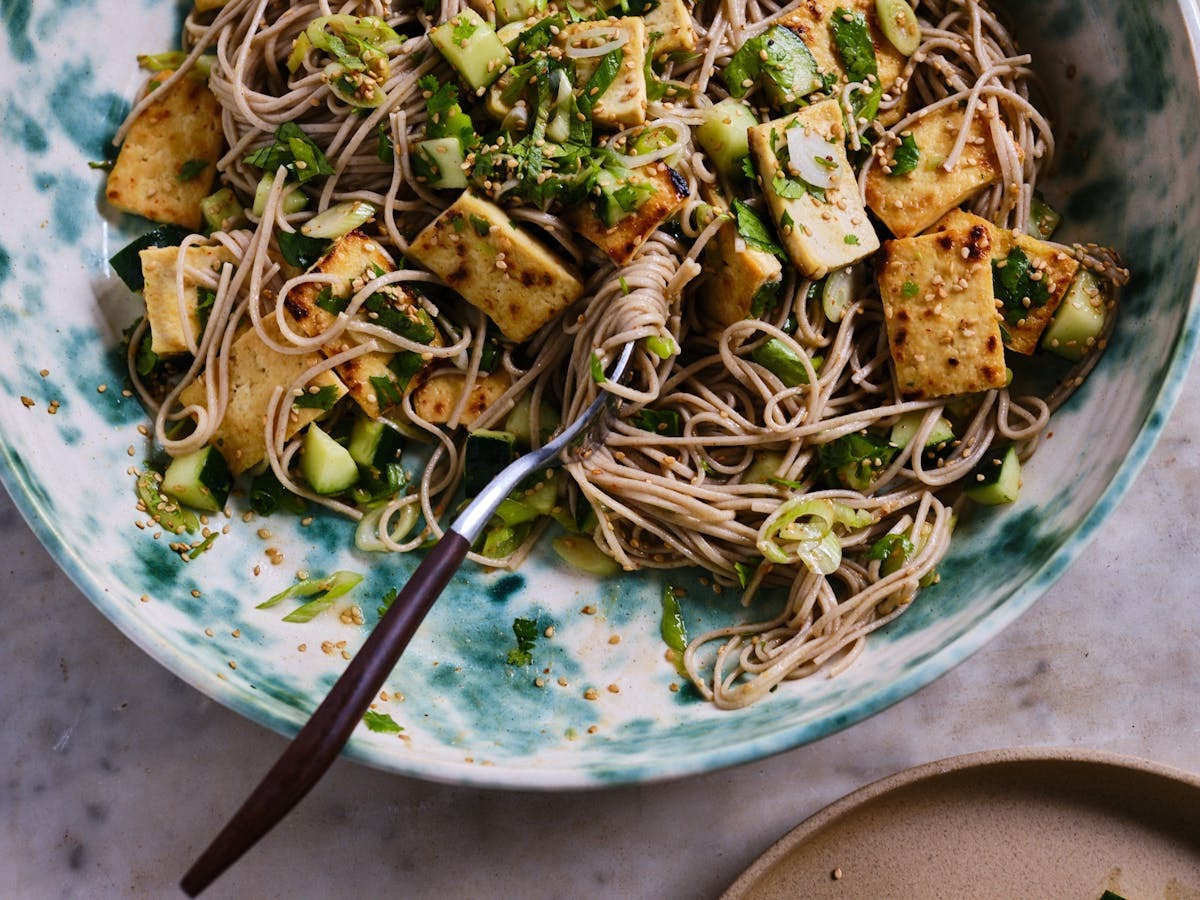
x=401 y=242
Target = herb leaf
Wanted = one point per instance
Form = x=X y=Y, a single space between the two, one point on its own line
x=1013 y=284
x=526 y=633
x=323 y=398
x=754 y=231
x=381 y=723
x=299 y=249
x=907 y=155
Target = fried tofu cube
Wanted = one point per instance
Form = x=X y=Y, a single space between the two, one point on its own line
x=821 y=231
x=168 y=162
x=738 y=278
x=623 y=103
x=436 y=397
x=255 y=370
x=478 y=251
x=622 y=240
x=160 y=268
x=671 y=20
x=942 y=324
x=810 y=22
x=909 y=204
x=355 y=259
x=1051 y=272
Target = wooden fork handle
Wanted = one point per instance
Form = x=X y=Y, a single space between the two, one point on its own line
x=320 y=741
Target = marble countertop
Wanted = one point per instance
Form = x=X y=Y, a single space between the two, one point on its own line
x=116 y=774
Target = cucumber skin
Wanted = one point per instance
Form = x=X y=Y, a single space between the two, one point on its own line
x=1001 y=483
x=485 y=455
x=201 y=480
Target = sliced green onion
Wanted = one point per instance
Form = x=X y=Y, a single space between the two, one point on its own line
x=324 y=591
x=366 y=535
x=807 y=529
x=672 y=627
x=339 y=220
x=662 y=347
x=294 y=199
x=842 y=287
x=899 y=25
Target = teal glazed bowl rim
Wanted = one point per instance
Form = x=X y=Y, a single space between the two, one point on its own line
x=561 y=772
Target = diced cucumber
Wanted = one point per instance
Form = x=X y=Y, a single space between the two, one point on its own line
x=781 y=61
x=996 y=480
x=582 y=553
x=1079 y=320
x=906 y=428
x=373 y=443
x=294 y=199
x=500 y=541
x=723 y=135
x=201 y=480
x=486 y=454
x=520 y=421
x=1043 y=218
x=842 y=287
x=326 y=465
x=762 y=470
x=471 y=46
x=440 y=160
x=518 y=10
x=222 y=210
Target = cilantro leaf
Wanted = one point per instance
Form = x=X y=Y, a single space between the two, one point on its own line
x=526 y=634
x=381 y=723
x=299 y=249
x=323 y=398
x=906 y=155
x=754 y=231
x=294 y=150
x=192 y=169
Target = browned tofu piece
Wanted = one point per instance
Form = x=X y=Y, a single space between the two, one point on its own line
x=435 y=398
x=355 y=258
x=255 y=370
x=734 y=275
x=810 y=22
x=160 y=267
x=909 y=204
x=821 y=232
x=497 y=266
x=671 y=21
x=623 y=103
x=942 y=323
x=157 y=173
x=623 y=239
x=1023 y=325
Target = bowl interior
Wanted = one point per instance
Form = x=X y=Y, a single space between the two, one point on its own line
x=1123 y=83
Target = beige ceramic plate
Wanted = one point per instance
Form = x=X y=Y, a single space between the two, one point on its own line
x=1024 y=823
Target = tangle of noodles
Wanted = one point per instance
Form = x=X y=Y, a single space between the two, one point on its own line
x=659 y=502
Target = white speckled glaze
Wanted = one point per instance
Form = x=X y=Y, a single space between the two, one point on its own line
x=1128 y=178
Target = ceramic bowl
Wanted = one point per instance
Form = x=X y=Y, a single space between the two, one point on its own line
x=1125 y=83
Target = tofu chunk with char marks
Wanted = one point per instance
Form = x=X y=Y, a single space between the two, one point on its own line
x=821 y=232
x=911 y=203
x=355 y=259
x=942 y=324
x=810 y=21
x=1022 y=330
x=178 y=133
x=439 y=392
x=255 y=370
x=160 y=268
x=622 y=241
x=497 y=267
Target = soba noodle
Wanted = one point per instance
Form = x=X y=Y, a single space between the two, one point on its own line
x=660 y=502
